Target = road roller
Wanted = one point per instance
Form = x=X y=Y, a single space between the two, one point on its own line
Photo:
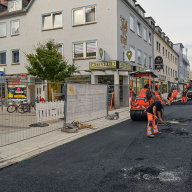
x=139 y=103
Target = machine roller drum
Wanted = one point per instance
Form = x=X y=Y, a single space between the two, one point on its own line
x=138 y=115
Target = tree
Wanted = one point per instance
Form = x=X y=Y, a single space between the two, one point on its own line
x=48 y=64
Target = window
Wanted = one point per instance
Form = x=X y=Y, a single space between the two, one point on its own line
x=166 y=70
x=132 y=49
x=132 y=23
x=15 y=27
x=78 y=50
x=163 y=51
x=84 y=50
x=150 y=62
x=60 y=49
x=52 y=21
x=176 y=61
x=91 y=49
x=2 y=58
x=166 y=53
x=176 y=74
x=84 y=15
x=15 y=57
x=145 y=34
x=139 y=57
x=139 y=31
x=3 y=29
x=150 y=38
x=157 y=46
x=171 y=57
x=14 y=5
x=145 y=60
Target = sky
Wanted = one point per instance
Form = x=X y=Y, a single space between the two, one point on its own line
x=174 y=18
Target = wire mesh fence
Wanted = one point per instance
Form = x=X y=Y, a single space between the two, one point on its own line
x=29 y=109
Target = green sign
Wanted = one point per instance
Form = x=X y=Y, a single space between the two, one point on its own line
x=129 y=55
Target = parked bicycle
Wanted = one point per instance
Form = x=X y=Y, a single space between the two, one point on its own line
x=15 y=108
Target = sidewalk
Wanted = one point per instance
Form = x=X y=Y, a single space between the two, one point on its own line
x=20 y=151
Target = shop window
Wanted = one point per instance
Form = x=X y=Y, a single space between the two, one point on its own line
x=15 y=27
x=52 y=21
x=3 y=29
x=85 y=50
x=15 y=57
x=84 y=15
x=2 y=58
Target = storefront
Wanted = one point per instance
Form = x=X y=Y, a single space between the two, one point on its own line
x=17 y=89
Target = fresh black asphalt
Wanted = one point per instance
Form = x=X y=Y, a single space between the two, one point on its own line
x=118 y=159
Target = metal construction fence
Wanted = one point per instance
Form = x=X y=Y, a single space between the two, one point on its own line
x=29 y=109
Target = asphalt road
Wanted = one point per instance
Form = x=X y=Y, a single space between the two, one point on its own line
x=118 y=159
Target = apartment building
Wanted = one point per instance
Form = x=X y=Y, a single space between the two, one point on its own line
x=163 y=48
x=183 y=64
x=95 y=35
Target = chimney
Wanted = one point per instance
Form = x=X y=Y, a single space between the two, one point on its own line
x=3 y=2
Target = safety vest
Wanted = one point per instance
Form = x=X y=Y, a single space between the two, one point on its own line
x=143 y=92
x=175 y=93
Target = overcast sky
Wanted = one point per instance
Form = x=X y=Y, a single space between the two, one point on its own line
x=175 y=19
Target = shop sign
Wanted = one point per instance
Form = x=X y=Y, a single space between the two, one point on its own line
x=125 y=66
x=2 y=72
x=129 y=56
x=71 y=90
x=104 y=65
x=100 y=54
x=158 y=63
x=162 y=77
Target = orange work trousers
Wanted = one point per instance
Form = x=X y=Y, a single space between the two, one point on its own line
x=184 y=99
x=170 y=100
x=152 y=122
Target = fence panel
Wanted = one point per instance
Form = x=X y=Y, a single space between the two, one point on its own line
x=86 y=102
x=29 y=109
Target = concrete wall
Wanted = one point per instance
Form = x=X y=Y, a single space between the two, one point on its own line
x=133 y=39
x=104 y=31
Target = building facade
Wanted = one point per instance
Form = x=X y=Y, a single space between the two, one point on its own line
x=163 y=47
x=183 y=64
x=94 y=35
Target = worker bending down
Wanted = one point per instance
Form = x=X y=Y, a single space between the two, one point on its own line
x=184 y=96
x=154 y=112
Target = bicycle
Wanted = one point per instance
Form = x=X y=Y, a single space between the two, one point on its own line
x=15 y=108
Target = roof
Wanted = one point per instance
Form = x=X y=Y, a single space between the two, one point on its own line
x=142 y=73
x=137 y=5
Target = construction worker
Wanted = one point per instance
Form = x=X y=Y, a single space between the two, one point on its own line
x=170 y=97
x=157 y=94
x=184 y=96
x=145 y=92
x=175 y=93
x=154 y=112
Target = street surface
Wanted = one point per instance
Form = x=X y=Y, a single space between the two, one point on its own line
x=118 y=159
